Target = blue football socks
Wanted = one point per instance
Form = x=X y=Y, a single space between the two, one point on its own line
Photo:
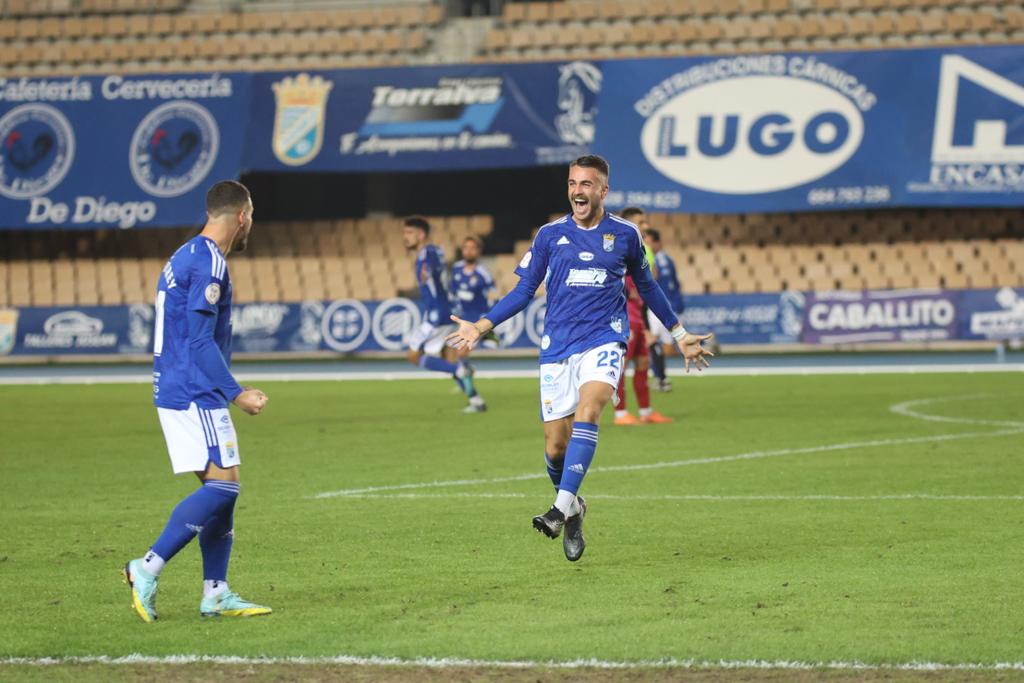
x=578 y=456
x=437 y=364
x=554 y=469
x=215 y=544
x=193 y=513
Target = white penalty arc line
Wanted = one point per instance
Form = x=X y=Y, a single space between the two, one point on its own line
x=753 y=455
x=906 y=408
x=458 y=663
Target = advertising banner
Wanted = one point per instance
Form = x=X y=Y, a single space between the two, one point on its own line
x=811 y=131
x=423 y=119
x=117 y=151
x=353 y=326
x=747 y=318
x=880 y=316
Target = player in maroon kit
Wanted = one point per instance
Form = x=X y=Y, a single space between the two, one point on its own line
x=636 y=351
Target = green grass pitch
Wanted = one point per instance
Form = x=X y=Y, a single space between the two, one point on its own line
x=804 y=549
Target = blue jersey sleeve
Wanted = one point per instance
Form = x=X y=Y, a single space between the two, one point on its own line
x=531 y=271
x=650 y=291
x=207 y=355
x=207 y=282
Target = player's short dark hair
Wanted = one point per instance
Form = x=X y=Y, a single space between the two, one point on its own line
x=227 y=195
x=593 y=161
x=475 y=238
x=653 y=234
x=631 y=211
x=417 y=222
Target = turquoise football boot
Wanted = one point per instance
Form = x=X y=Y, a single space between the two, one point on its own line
x=229 y=604
x=143 y=585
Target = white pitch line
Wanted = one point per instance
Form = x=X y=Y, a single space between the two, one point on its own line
x=753 y=455
x=709 y=497
x=444 y=663
x=907 y=410
x=413 y=374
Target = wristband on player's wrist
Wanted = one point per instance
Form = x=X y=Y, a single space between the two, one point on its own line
x=678 y=332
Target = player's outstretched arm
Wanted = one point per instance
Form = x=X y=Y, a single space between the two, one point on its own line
x=692 y=349
x=468 y=334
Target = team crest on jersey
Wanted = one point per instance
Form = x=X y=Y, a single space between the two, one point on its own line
x=8 y=328
x=609 y=241
x=299 y=118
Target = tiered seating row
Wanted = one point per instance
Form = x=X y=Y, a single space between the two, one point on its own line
x=595 y=29
x=164 y=41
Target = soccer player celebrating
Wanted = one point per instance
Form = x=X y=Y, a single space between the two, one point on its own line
x=473 y=286
x=582 y=258
x=426 y=344
x=192 y=387
x=668 y=278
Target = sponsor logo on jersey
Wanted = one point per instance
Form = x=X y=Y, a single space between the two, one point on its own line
x=753 y=124
x=301 y=107
x=174 y=148
x=586 y=256
x=616 y=325
x=562 y=240
x=37 y=146
x=586 y=277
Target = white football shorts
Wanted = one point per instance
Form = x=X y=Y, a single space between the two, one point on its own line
x=560 y=382
x=198 y=436
x=429 y=338
x=658 y=330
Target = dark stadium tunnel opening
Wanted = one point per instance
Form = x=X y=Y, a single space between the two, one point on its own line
x=519 y=200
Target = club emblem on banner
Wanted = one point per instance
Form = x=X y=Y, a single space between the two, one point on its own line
x=8 y=328
x=37 y=146
x=299 y=118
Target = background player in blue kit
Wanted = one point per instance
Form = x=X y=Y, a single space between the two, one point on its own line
x=192 y=387
x=582 y=259
x=473 y=288
x=668 y=279
x=426 y=344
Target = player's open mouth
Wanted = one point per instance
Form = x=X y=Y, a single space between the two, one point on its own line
x=580 y=203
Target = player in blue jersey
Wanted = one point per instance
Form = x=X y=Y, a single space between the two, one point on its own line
x=473 y=288
x=192 y=387
x=668 y=278
x=582 y=259
x=426 y=343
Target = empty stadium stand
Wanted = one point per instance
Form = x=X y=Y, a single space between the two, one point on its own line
x=61 y=37
x=589 y=29
x=365 y=258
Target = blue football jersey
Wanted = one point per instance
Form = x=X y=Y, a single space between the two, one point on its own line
x=470 y=290
x=583 y=271
x=668 y=278
x=194 y=279
x=430 y=274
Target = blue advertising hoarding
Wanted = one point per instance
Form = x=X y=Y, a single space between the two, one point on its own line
x=423 y=119
x=353 y=326
x=117 y=151
x=810 y=131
